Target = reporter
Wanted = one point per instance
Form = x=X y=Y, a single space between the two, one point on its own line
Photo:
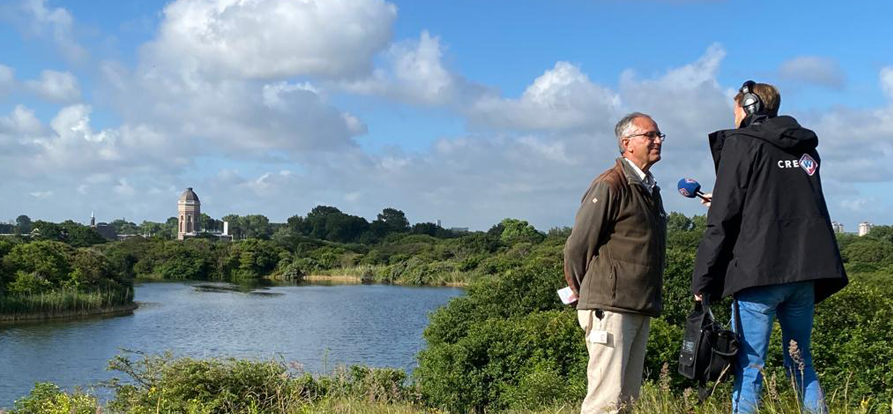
x=769 y=241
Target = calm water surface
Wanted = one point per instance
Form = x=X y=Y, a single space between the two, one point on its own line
x=317 y=326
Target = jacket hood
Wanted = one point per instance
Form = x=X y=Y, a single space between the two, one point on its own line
x=783 y=132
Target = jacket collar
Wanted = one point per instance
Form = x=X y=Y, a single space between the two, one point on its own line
x=632 y=178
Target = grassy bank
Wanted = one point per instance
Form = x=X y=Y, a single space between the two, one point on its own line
x=384 y=275
x=161 y=384
x=410 y=273
x=64 y=303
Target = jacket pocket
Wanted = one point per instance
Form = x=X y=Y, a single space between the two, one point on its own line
x=600 y=282
x=638 y=287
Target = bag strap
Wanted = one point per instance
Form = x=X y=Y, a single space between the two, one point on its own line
x=704 y=391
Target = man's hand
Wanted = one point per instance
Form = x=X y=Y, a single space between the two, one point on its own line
x=706 y=199
x=698 y=298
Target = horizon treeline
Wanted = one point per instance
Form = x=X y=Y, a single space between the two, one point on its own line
x=322 y=222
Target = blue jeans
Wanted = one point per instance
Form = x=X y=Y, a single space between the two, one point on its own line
x=793 y=304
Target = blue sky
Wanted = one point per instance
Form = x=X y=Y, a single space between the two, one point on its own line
x=463 y=111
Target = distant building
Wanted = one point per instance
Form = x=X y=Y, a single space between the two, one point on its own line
x=864 y=228
x=189 y=210
x=105 y=230
x=459 y=229
x=838 y=227
x=189 y=213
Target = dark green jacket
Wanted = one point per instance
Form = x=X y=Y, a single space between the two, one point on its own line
x=615 y=256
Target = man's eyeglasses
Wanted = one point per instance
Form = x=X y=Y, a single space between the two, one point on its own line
x=651 y=135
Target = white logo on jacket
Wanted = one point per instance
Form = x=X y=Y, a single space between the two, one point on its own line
x=806 y=162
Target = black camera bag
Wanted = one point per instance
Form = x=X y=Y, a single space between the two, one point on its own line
x=708 y=350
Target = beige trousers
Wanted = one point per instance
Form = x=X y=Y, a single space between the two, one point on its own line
x=616 y=344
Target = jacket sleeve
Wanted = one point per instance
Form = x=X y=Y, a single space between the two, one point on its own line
x=723 y=218
x=596 y=213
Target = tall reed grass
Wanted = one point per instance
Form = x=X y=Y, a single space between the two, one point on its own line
x=63 y=301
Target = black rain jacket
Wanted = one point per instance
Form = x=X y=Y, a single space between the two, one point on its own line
x=768 y=223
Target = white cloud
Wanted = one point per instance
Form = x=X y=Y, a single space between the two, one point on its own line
x=41 y=194
x=419 y=72
x=238 y=118
x=814 y=70
x=887 y=81
x=72 y=123
x=21 y=122
x=414 y=72
x=273 y=38
x=203 y=80
x=272 y=92
x=554 y=151
x=7 y=79
x=70 y=148
x=53 y=24
x=55 y=86
x=687 y=102
x=563 y=98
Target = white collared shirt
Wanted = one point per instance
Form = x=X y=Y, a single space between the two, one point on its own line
x=646 y=178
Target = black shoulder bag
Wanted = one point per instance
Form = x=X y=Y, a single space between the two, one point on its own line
x=708 y=350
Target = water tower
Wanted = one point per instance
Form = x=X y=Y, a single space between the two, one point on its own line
x=188 y=214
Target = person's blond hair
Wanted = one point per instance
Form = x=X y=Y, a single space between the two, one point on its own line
x=768 y=94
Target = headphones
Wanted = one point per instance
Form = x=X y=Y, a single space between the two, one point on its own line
x=750 y=101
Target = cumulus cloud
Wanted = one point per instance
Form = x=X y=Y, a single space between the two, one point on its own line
x=856 y=144
x=273 y=38
x=18 y=131
x=814 y=70
x=232 y=117
x=414 y=72
x=21 y=122
x=55 y=86
x=53 y=24
x=563 y=98
x=687 y=101
x=69 y=146
x=218 y=73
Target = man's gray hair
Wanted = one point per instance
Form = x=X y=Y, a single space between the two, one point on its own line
x=623 y=126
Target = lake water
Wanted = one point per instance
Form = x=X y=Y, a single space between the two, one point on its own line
x=315 y=325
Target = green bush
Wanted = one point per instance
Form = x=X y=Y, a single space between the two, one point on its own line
x=518 y=362
x=215 y=386
x=161 y=383
x=851 y=340
x=47 y=398
x=48 y=261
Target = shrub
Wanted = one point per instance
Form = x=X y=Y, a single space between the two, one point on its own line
x=47 y=398
x=524 y=361
x=45 y=260
x=851 y=340
x=161 y=383
x=215 y=386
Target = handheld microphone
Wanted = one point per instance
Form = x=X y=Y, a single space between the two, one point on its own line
x=690 y=188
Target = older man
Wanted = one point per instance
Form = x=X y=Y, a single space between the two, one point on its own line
x=614 y=261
